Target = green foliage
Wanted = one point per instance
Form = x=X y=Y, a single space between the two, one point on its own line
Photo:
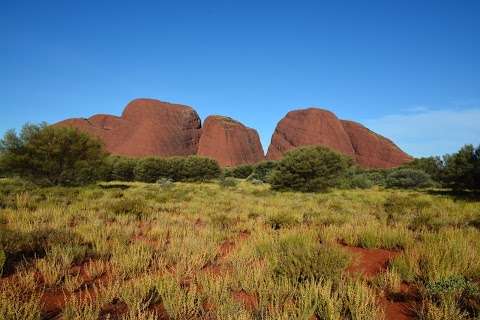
x=190 y=168
x=462 y=169
x=52 y=155
x=262 y=170
x=240 y=172
x=433 y=166
x=133 y=206
x=281 y=220
x=151 y=169
x=300 y=259
x=122 y=169
x=309 y=169
x=194 y=168
x=227 y=182
x=408 y=179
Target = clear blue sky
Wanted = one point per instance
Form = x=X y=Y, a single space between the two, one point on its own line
x=407 y=69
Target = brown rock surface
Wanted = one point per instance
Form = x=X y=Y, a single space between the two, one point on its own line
x=147 y=127
x=373 y=150
x=309 y=127
x=229 y=142
x=321 y=127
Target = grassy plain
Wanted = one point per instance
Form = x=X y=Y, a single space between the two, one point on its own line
x=203 y=251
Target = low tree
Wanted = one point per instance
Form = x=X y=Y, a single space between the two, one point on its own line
x=309 y=169
x=240 y=172
x=433 y=166
x=122 y=169
x=50 y=155
x=406 y=178
x=462 y=169
x=151 y=169
x=262 y=170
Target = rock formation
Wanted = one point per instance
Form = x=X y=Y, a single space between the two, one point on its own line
x=229 y=142
x=150 y=127
x=309 y=127
x=315 y=126
x=147 y=127
x=373 y=150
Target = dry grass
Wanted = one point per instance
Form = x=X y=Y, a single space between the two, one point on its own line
x=202 y=251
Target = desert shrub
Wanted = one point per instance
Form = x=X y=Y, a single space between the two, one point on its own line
x=355 y=178
x=193 y=168
x=151 y=169
x=300 y=259
x=165 y=182
x=309 y=169
x=433 y=166
x=408 y=179
x=262 y=170
x=227 y=182
x=50 y=155
x=240 y=172
x=122 y=169
x=255 y=181
x=462 y=169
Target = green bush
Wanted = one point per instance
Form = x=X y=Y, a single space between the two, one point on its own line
x=122 y=169
x=299 y=259
x=433 y=166
x=227 y=182
x=262 y=170
x=193 y=168
x=151 y=169
x=309 y=169
x=50 y=155
x=240 y=172
x=462 y=169
x=408 y=179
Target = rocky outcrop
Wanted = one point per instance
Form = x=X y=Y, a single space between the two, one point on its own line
x=315 y=126
x=147 y=127
x=229 y=142
x=150 y=127
x=309 y=127
x=373 y=150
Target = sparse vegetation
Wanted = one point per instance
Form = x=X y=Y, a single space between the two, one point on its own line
x=197 y=251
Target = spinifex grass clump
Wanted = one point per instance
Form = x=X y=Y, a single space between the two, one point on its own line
x=301 y=258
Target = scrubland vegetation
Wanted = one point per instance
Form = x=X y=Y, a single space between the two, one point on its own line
x=205 y=251
x=188 y=240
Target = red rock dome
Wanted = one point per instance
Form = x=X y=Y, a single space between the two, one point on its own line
x=229 y=142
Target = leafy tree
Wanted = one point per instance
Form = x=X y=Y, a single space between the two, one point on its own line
x=462 y=169
x=262 y=170
x=408 y=179
x=194 y=168
x=122 y=169
x=433 y=166
x=49 y=155
x=151 y=169
x=309 y=169
x=191 y=168
x=240 y=172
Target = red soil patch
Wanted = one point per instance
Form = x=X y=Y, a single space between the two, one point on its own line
x=401 y=305
x=249 y=301
x=370 y=262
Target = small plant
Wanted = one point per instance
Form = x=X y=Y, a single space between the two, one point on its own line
x=165 y=183
x=281 y=220
x=133 y=206
x=227 y=182
x=301 y=259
